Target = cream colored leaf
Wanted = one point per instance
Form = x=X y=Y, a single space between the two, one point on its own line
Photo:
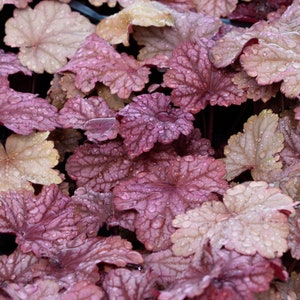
x=250 y=220
x=256 y=149
x=28 y=159
x=116 y=28
x=46 y=35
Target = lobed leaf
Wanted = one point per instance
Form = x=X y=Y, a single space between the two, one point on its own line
x=148 y=119
x=96 y=60
x=28 y=159
x=251 y=219
x=255 y=149
x=46 y=35
x=196 y=82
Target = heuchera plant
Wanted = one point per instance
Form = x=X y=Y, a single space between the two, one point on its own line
x=150 y=149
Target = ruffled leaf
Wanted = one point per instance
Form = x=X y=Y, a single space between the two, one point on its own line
x=216 y=8
x=223 y=274
x=42 y=223
x=123 y=283
x=149 y=119
x=46 y=35
x=251 y=219
x=96 y=60
x=255 y=149
x=78 y=261
x=99 y=167
x=28 y=159
x=25 y=112
x=188 y=26
x=196 y=82
x=116 y=28
x=92 y=115
x=166 y=190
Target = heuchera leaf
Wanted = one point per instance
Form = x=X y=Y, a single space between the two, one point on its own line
x=251 y=219
x=126 y=284
x=294 y=235
x=255 y=149
x=297 y=114
x=17 y=3
x=116 y=28
x=188 y=26
x=28 y=159
x=222 y=275
x=17 y=267
x=99 y=167
x=216 y=8
x=42 y=223
x=96 y=60
x=78 y=261
x=46 y=35
x=254 y=90
x=10 y=64
x=166 y=266
x=166 y=190
x=25 y=112
x=92 y=210
x=92 y=115
x=196 y=82
x=274 y=58
x=148 y=119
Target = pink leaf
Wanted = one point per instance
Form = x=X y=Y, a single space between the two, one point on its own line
x=92 y=210
x=99 y=167
x=216 y=8
x=222 y=274
x=92 y=115
x=196 y=82
x=167 y=266
x=17 y=3
x=82 y=290
x=25 y=112
x=294 y=235
x=78 y=261
x=149 y=119
x=10 y=64
x=42 y=223
x=46 y=35
x=297 y=114
x=251 y=219
x=188 y=26
x=169 y=188
x=125 y=284
x=96 y=60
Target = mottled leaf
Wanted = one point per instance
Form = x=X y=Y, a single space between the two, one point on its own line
x=96 y=60
x=169 y=188
x=92 y=115
x=134 y=285
x=251 y=219
x=196 y=82
x=148 y=119
x=42 y=223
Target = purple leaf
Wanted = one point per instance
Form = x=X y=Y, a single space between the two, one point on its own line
x=167 y=189
x=92 y=115
x=149 y=119
x=196 y=82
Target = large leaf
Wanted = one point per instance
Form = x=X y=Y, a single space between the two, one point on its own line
x=46 y=35
x=28 y=159
x=251 y=219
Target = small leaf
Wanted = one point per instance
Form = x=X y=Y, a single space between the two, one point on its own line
x=251 y=219
x=28 y=159
x=47 y=35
